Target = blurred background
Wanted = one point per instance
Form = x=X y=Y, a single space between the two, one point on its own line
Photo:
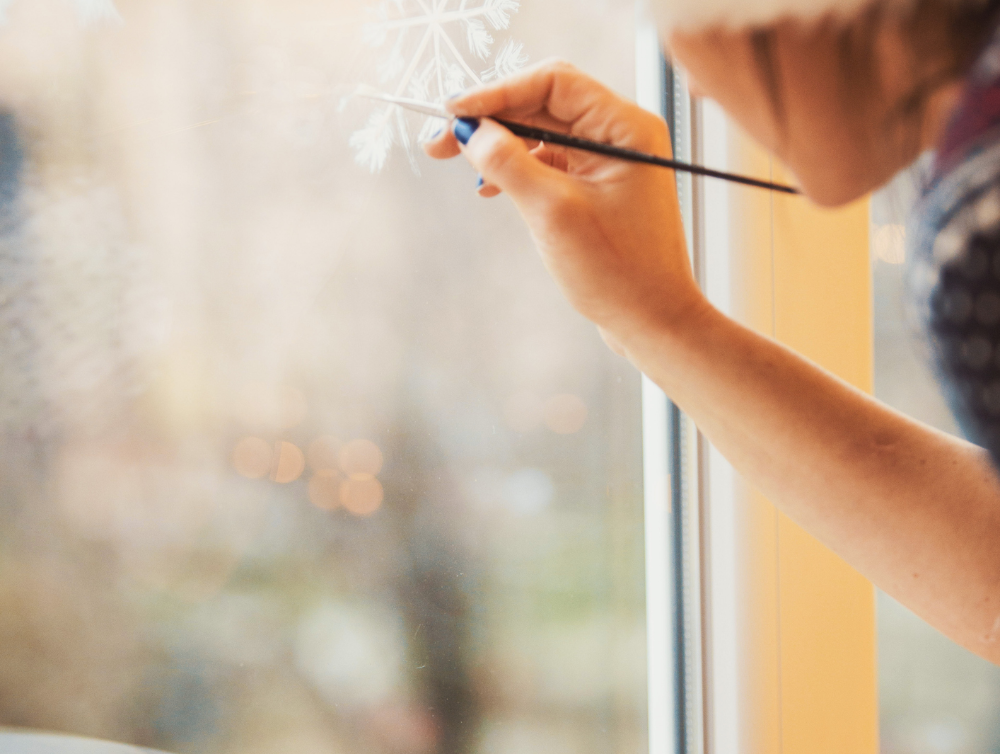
x=296 y=457
x=934 y=696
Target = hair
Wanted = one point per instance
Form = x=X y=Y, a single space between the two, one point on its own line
x=947 y=37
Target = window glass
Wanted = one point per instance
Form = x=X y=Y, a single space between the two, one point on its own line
x=935 y=697
x=296 y=458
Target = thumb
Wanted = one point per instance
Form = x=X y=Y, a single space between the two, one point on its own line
x=504 y=160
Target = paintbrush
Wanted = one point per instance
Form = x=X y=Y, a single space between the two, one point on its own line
x=574 y=142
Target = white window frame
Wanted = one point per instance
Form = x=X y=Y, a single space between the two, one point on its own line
x=731 y=626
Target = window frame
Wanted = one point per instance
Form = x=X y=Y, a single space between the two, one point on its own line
x=759 y=637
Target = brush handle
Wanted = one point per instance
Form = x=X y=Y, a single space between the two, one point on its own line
x=632 y=155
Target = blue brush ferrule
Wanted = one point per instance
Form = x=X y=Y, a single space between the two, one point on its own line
x=464 y=128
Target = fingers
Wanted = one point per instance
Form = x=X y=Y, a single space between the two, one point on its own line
x=554 y=157
x=443 y=145
x=505 y=162
x=557 y=96
x=553 y=87
x=487 y=190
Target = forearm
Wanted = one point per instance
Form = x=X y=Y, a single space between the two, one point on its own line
x=913 y=509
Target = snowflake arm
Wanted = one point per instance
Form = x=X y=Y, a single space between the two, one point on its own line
x=509 y=60
x=424 y=61
x=372 y=143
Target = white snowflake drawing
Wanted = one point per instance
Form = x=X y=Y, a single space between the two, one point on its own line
x=430 y=50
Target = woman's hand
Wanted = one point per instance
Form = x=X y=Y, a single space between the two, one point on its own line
x=609 y=231
x=916 y=511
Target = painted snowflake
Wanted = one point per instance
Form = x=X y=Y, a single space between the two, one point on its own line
x=430 y=50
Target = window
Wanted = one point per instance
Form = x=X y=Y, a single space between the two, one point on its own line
x=296 y=458
x=780 y=644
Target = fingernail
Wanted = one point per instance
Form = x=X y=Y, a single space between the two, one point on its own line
x=464 y=128
x=480 y=182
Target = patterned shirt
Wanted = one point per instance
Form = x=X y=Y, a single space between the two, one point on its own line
x=955 y=236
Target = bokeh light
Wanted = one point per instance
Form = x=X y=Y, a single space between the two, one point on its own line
x=361 y=458
x=353 y=654
x=361 y=496
x=528 y=491
x=523 y=412
x=324 y=453
x=324 y=490
x=252 y=457
x=289 y=464
x=565 y=414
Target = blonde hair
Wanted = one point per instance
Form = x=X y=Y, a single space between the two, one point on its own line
x=691 y=15
x=946 y=37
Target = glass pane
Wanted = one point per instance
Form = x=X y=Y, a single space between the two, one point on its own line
x=296 y=458
x=935 y=697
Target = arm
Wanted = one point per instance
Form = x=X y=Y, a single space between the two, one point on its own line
x=915 y=510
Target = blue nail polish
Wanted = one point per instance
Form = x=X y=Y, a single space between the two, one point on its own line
x=437 y=133
x=480 y=182
x=464 y=128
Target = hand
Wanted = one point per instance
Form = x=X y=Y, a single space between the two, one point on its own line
x=609 y=231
